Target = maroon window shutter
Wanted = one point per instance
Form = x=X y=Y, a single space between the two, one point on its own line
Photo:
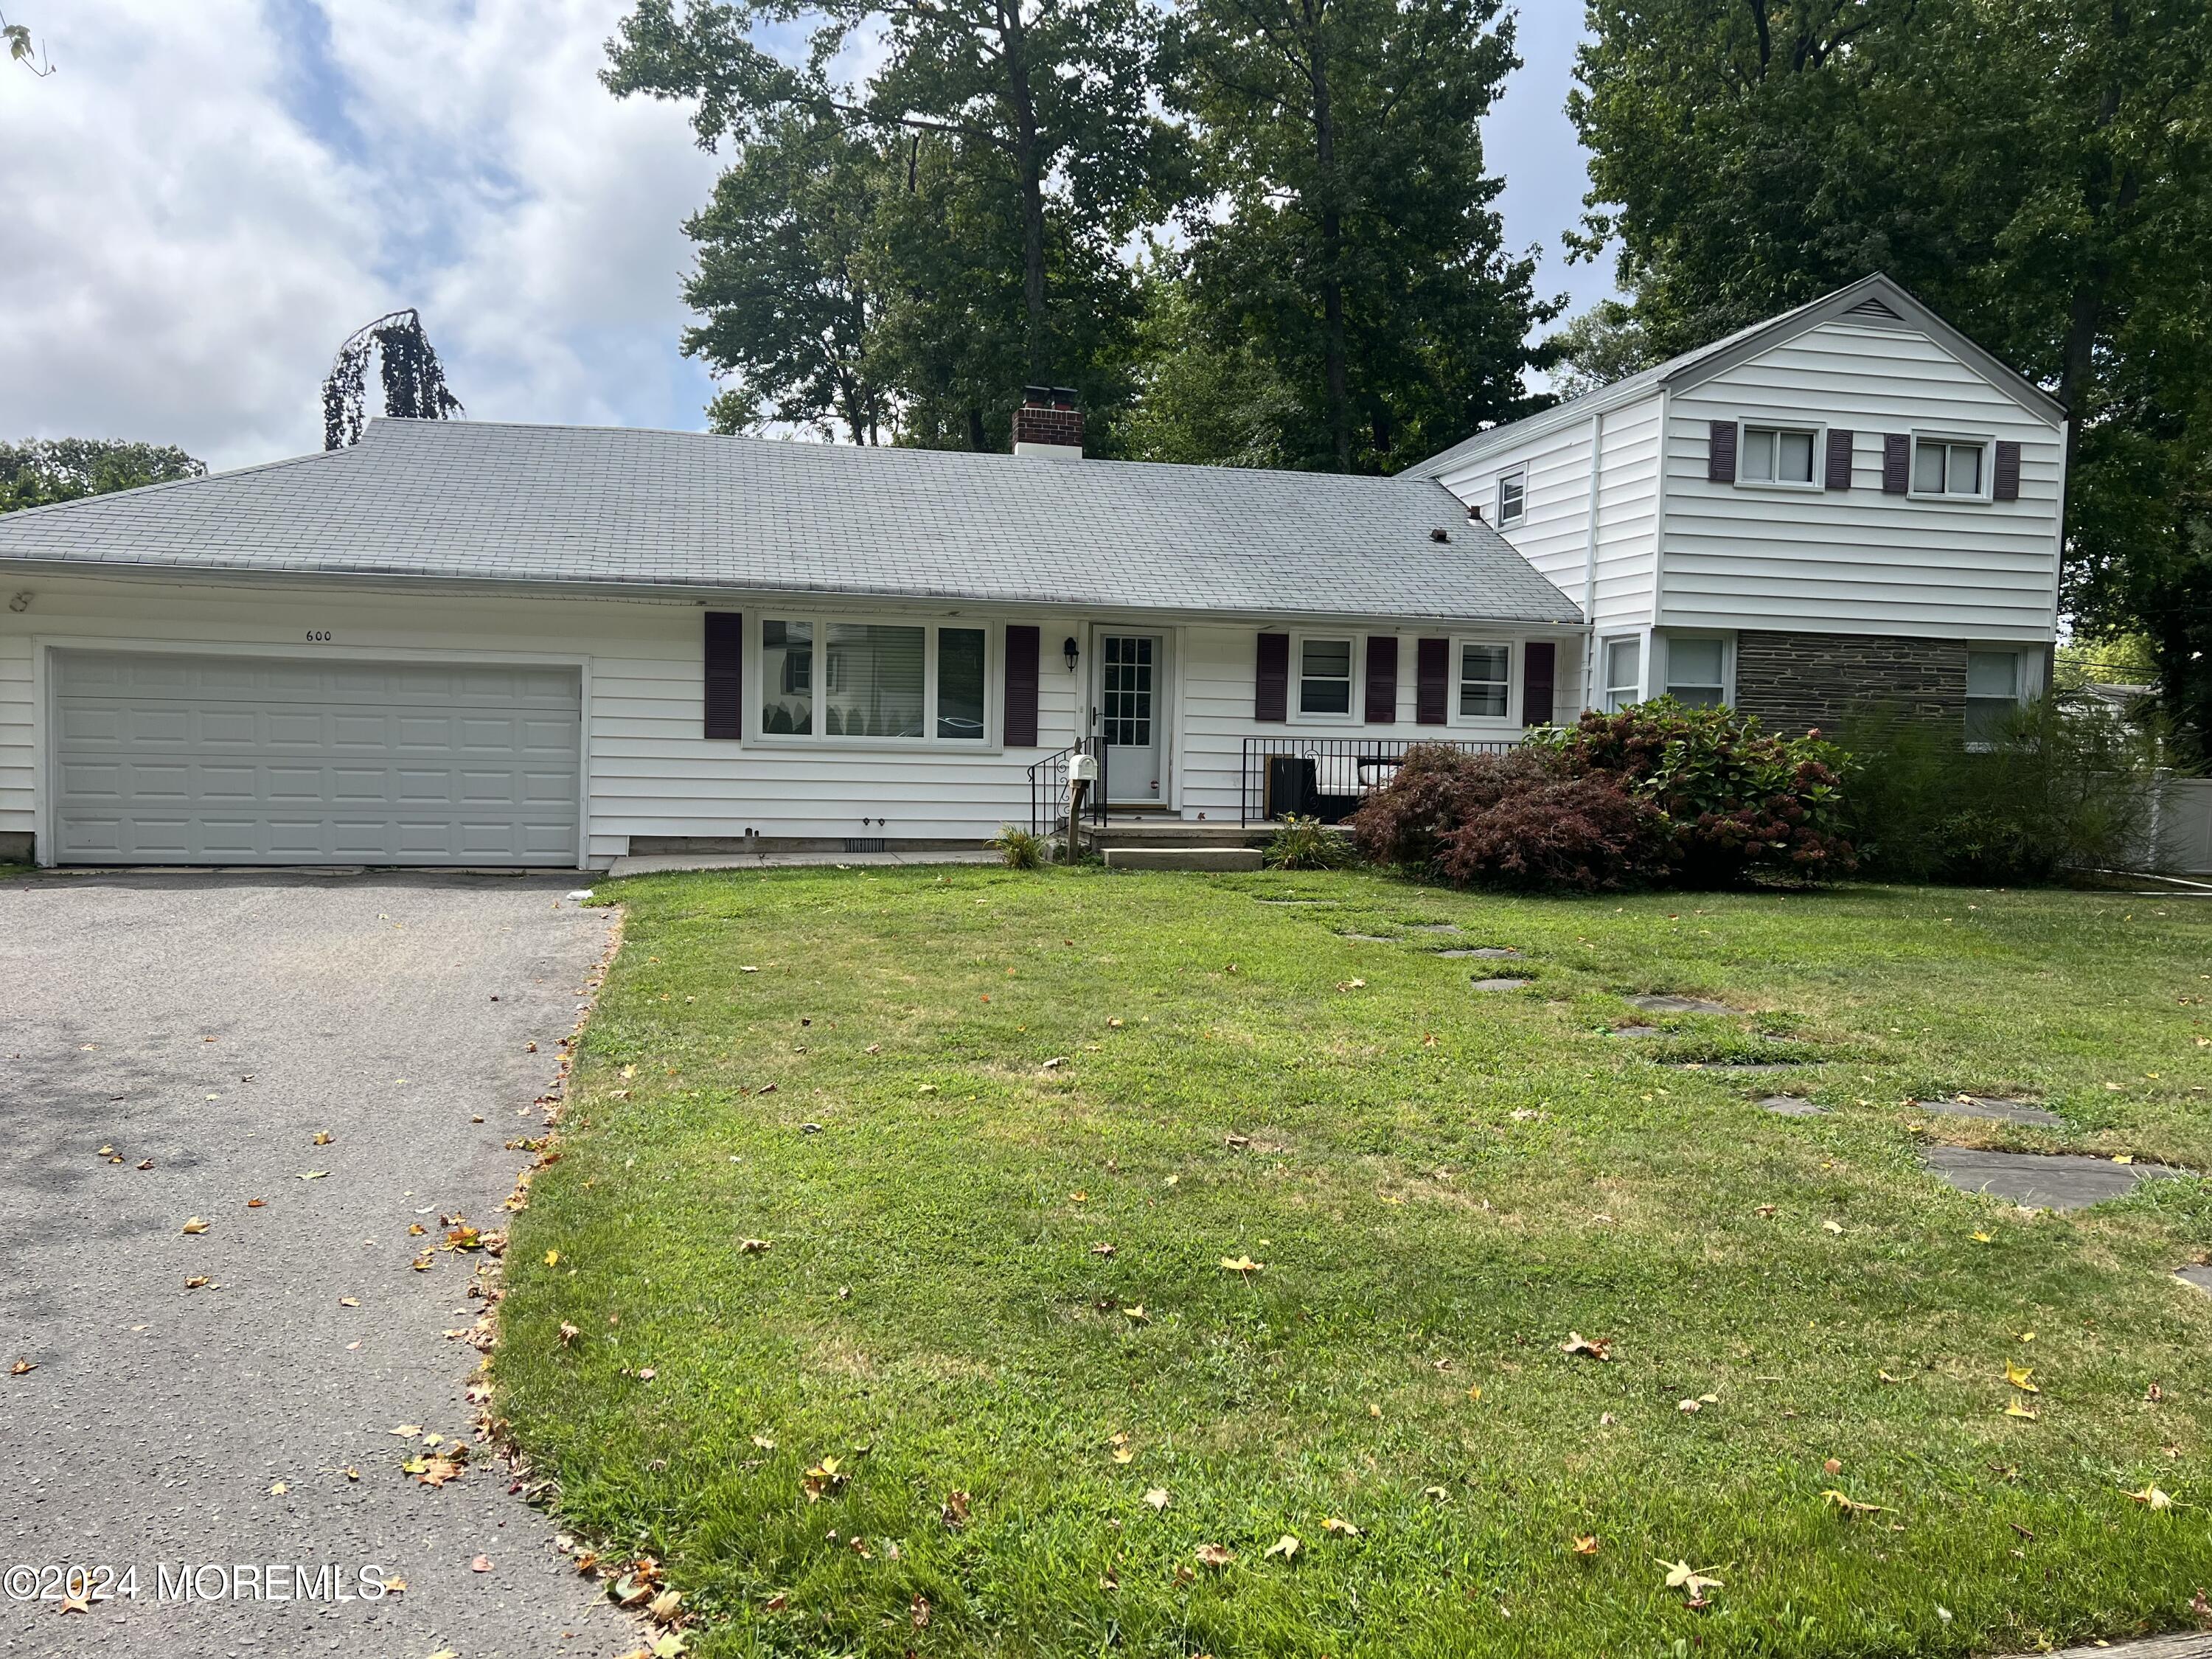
x=1538 y=664
x=1382 y=679
x=1271 y=681
x=1431 y=680
x=1021 y=715
x=2004 y=479
x=1896 y=463
x=1720 y=459
x=1840 y=440
x=724 y=674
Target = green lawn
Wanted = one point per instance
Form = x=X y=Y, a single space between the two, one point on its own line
x=1009 y=1073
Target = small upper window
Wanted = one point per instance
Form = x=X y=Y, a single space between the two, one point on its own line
x=1624 y=672
x=1992 y=694
x=1941 y=467
x=1512 y=498
x=1325 y=677
x=1774 y=454
x=1485 y=680
x=1693 y=672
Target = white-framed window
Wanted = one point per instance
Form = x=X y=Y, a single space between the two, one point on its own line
x=1624 y=673
x=1513 y=497
x=1697 y=671
x=1956 y=469
x=1993 y=692
x=1325 y=665
x=1786 y=456
x=834 y=678
x=1486 y=680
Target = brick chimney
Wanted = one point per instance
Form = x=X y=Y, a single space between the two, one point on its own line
x=1050 y=423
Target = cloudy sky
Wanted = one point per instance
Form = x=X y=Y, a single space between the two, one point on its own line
x=209 y=195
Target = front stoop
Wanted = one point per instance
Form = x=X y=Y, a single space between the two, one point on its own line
x=1182 y=858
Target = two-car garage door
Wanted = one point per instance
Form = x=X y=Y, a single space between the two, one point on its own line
x=227 y=760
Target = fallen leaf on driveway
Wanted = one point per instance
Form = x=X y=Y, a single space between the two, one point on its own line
x=198 y=1281
x=348 y=1302
x=21 y=1368
x=77 y=1604
x=314 y=1174
x=278 y=1489
x=256 y=1203
x=408 y=1431
x=195 y=1225
x=482 y=1564
x=324 y=1137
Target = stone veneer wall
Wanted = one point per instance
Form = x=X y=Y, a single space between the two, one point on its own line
x=1796 y=681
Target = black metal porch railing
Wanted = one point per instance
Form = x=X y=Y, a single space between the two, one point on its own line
x=1049 y=790
x=1326 y=778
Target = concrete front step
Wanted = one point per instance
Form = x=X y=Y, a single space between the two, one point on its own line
x=1175 y=832
x=1182 y=858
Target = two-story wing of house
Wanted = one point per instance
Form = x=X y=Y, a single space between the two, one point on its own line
x=463 y=643
x=1849 y=502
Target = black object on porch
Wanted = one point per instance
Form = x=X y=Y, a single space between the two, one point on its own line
x=1326 y=778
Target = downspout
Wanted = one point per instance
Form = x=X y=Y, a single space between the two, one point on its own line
x=1589 y=563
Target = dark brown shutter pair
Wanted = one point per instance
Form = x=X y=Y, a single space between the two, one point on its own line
x=724 y=683
x=1271 y=680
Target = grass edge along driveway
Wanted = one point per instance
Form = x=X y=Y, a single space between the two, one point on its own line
x=884 y=1288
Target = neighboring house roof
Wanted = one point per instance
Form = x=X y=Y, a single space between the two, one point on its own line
x=606 y=506
x=1875 y=299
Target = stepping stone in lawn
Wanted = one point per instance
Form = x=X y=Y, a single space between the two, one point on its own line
x=1488 y=952
x=1664 y=1004
x=1636 y=1032
x=1745 y=1067
x=1435 y=927
x=1293 y=901
x=2062 y=1180
x=2200 y=1277
x=1369 y=938
x=1790 y=1106
x=1502 y=984
x=2004 y=1111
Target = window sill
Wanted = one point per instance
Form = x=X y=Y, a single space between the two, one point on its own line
x=1785 y=486
x=1954 y=501
x=797 y=743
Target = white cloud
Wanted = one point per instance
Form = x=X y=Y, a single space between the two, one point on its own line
x=208 y=197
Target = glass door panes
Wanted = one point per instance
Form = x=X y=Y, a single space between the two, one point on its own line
x=1126 y=693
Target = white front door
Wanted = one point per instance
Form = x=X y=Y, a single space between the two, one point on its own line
x=1129 y=723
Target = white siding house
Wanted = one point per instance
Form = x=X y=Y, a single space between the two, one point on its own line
x=471 y=643
x=1852 y=503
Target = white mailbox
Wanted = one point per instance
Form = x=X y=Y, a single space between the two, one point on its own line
x=1083 y=768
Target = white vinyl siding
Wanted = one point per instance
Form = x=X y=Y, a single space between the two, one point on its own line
x=1860 y=561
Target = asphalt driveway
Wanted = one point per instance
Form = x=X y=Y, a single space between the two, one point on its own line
x=214 y=1026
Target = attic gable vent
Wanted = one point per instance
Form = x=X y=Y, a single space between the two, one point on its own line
x=1873 y=308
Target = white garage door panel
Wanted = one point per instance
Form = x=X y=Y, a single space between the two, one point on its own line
x=225 y=760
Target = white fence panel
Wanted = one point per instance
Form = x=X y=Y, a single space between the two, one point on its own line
x=2185 y=827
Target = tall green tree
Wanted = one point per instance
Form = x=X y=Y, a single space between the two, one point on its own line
x=2033 y=168
x=1032 y=148
x=1350 y=232
x=785 y=280
x=40 y=472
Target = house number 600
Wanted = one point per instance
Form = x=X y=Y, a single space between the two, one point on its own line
x=319 y=633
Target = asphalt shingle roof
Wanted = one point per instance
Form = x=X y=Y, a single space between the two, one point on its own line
x=584 y=505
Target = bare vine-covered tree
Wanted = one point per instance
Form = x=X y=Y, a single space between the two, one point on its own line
x=413 y=382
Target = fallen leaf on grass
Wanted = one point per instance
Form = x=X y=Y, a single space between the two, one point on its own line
x=1157 y=1497
x=954 y=1509
x=1136 y=1315
x=568 y=1333
x=825 y=1477
x=1698 y=1404
x=1287 y=1547
x=1832 y=1226
x=1599 y=1347
x=1849 y=1506
x=1338 y=1528
x=1241 y=1264
x=2022 y=1409
x=1214 y=1555
x=2018 y=1377
x=2152 y=1498
x=1102 y=1249
x=1586 y=1543
x=776 y=1603
x=1351 y=985
x=919 y=1612
x=1681 y=1576
x=752 y=1247
x=664 y=1607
